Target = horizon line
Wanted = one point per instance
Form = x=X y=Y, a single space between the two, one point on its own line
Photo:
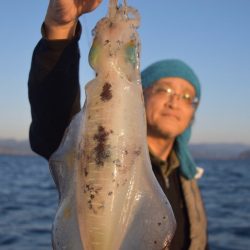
x=190 y=143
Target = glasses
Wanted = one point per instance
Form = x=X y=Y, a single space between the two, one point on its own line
x=168 y=92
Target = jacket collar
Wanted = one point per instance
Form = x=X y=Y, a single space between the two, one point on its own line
x=166 y=166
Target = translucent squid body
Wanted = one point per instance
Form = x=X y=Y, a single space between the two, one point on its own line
x=109 y=198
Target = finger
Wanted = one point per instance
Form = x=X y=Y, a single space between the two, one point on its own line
x=90 y=5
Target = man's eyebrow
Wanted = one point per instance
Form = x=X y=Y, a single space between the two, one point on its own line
x=186 y=89
x=190 y=90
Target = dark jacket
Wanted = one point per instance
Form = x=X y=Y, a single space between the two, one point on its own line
x=54 y=92
x=185 y=199
x=54 y=96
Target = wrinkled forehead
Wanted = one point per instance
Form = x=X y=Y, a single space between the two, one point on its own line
x=176 y=83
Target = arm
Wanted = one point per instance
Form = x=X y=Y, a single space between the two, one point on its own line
x=54 y=91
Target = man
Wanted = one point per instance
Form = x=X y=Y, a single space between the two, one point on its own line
x=171 y=92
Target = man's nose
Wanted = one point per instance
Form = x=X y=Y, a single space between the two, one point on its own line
x=173 y=101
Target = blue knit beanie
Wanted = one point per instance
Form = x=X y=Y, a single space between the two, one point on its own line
x=176 y=68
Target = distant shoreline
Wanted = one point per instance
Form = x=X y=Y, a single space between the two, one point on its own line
x=216 y=151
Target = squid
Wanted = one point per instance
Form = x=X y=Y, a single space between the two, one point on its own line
x=109 y=198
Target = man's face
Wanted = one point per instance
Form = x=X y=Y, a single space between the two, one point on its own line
x=169 y=108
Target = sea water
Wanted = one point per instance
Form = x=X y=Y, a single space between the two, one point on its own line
x=28 y=201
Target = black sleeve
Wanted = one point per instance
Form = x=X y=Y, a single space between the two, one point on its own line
x=54 y=91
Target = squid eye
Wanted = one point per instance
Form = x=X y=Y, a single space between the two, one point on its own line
x=130 y=53
x=94 y=54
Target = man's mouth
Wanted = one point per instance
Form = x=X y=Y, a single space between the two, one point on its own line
x=170 y=115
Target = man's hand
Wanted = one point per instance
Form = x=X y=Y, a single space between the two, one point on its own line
x=62 y=15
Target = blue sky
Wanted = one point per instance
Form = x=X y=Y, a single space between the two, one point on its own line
x=213 y=37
